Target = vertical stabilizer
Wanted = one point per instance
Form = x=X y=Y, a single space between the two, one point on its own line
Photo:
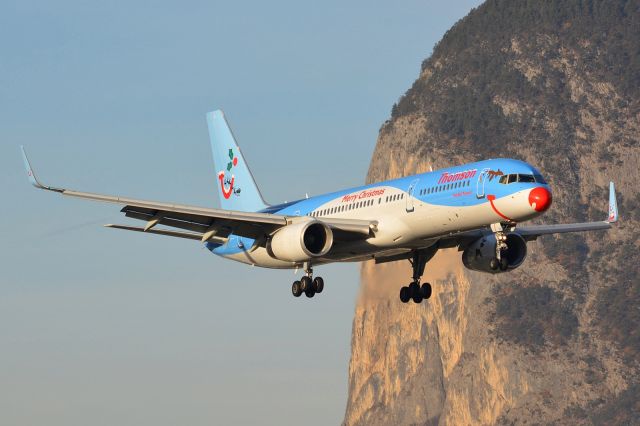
x=236 y=188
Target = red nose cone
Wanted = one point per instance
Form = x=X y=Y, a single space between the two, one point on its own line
x=540 y=199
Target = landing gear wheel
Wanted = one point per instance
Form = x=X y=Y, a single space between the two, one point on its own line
x=306 y=284
x=504 y=264
x=416 y=294
x=309 y=293
x=494 y=264
x=426 y=291
x=296 y=289
x=318 y=284
x=405 y=294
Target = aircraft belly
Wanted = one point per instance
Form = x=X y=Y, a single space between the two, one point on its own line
x=259 y=257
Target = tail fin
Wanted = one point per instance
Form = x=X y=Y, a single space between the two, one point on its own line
x=234 y=182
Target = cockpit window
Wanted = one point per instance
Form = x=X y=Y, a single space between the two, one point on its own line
x=539 y=179
x=526 y=178
x=522 y=178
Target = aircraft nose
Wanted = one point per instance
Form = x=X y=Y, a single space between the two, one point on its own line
x=540 y=199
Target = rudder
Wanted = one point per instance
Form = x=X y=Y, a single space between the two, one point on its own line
x=236 y=188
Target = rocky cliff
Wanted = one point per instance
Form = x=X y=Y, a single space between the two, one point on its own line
x=557 y=84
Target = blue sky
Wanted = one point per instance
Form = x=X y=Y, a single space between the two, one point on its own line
x=101 y=326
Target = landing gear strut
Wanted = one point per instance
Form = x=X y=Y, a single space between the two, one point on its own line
x=414 y=291
x=499 y=262
x=307 y=284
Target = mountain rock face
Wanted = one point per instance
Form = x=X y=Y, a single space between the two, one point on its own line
x=557 y=341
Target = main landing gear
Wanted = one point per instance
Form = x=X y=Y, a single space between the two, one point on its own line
x=307 y=284
x=414 y=291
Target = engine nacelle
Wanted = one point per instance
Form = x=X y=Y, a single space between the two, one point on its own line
x=479 y=254
x=300 y=241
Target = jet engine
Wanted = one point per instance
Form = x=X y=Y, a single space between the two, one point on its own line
x=481 y=254
x=300 y=241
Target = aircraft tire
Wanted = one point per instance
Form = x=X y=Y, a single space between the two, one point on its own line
x=426 y=291
x=404 y=294
x=494 y=264
x=309 y=293
x=306 y=284
x=414 y=290
x=504 y=264
x=318 y=284
x=296 y=289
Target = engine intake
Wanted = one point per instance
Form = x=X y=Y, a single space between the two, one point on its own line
x=479 y=254
x=301 y=241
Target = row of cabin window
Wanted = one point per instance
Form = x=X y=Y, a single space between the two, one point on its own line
x=357 y=205
x=446 y=187
x=343 y=208
x=394 y=197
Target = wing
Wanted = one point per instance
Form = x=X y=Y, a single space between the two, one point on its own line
x=205 y=224
x=532 y=232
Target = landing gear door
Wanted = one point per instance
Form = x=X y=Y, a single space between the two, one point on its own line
x=410 y=192
x=481 y=181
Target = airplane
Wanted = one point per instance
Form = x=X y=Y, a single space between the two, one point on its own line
x=475 y=207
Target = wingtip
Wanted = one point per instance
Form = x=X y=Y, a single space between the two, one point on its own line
x=215 y=113
x=613 y=204
x=32 y=176
x=27 y=165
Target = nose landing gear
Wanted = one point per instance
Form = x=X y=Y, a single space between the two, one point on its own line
x=499 y=262
x=414 y=291
x=307 y=284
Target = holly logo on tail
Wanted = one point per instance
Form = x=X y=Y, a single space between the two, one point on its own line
x=226 y=184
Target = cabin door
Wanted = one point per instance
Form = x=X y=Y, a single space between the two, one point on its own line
x=410 y=192
x=480 y=185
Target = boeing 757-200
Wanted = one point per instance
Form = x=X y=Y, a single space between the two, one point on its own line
x=476 y=207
